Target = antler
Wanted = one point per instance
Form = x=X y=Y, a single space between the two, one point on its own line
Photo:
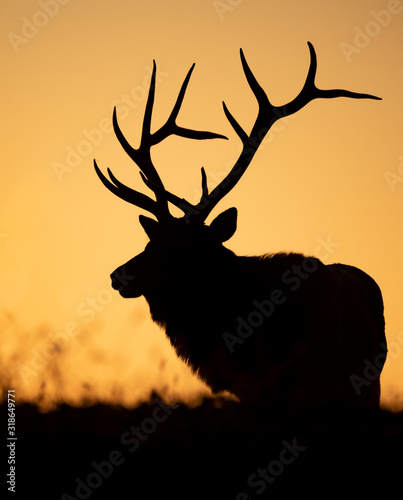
x=142 y=155
x=268 y=114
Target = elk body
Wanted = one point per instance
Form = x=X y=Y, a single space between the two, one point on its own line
x=283 y=330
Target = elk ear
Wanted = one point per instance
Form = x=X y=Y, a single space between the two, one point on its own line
x=224 y=226
x=150 y=226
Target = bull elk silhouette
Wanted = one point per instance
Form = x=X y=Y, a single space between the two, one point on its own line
x=281 y=329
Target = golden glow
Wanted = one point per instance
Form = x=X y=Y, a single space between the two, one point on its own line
x=319 y=176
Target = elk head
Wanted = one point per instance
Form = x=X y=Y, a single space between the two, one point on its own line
x=182 y=243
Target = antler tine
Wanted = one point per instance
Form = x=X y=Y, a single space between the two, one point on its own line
x=204 y=183
x=268 y=114
x=142 y=155
x=310 y=91
x=130 y=195
x=181 y=203
x=171 y=128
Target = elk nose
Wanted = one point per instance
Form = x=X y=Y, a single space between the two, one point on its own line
x=115 y=281
x=121 y=279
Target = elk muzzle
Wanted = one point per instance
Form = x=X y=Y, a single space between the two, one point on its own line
x=124 y=280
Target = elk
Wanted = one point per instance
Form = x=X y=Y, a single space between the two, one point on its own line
x=280 y=329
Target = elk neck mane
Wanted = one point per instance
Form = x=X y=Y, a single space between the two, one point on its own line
x=208 y=301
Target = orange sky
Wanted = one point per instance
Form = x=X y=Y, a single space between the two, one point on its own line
x=332 y=173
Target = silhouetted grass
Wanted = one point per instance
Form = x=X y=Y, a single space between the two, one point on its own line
x=210 y=452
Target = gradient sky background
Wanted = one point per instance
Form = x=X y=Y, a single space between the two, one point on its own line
x=328 y=181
